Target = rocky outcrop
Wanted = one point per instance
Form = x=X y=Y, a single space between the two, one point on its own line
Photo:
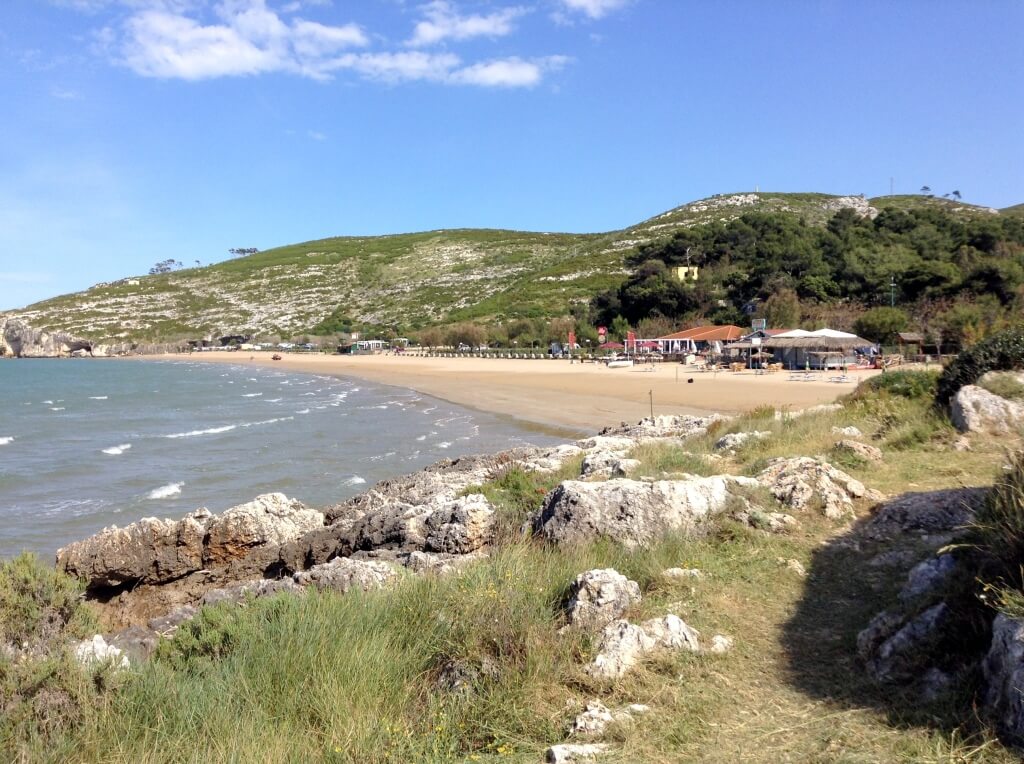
x=802 y=482
x=20 y=340
x=623 y=644
x=934 y=514
x=896 y=647
x=975 y=409
x=859 y=450
x=735 y=440
x=574 y=753
x=153 y=566
x=1003 y=669
x=632 y=512
x=343 y=574
x=599 y=597
x=661 y=427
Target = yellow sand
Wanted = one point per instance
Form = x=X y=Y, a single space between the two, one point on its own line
x=583 y=397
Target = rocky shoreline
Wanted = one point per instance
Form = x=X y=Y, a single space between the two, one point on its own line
x=149 y=578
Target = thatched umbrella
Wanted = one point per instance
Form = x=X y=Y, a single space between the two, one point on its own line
x=818 y=343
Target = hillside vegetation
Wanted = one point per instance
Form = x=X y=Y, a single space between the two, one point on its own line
x=410 y=281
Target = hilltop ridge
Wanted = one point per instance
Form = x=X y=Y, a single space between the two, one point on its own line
x=409 y=279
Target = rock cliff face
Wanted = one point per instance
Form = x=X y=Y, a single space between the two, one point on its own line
x=20 y=340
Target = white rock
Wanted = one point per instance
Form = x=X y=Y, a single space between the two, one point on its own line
x=734 y=440
x=592 y=721
x=850 y=432
x=342 y=574
x=600 y=596
x=622 y=645
x=720 y=644
x=672 y=632
x=96 y=650
x=680 y=573
x=568 y=753
x=975 y=409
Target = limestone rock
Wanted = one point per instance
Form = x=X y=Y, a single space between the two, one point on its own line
x=668 y=426
x=672 y=632
x=599 y=597
x=592 y=721
x=461 y=526
x=975 y=409
x=925 y=513
x=629 y=511
x=240 y=592
x=343 y=574
x=572 y=753
x=148 y=551
x=895 y=647
x=677 y=574
x=260 y=525
x=608 y=463
x=734 y=440
x=849 y=432
x=1003 y=669
x=927 y=578
x=862 y=450
x=96 y=650
x=623 y=644
x=801 y=482
x=19 y=339
x=720 y=644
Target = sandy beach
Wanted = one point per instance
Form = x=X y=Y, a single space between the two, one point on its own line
x=581 y=397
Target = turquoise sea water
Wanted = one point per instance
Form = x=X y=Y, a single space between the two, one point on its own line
x=90 y=443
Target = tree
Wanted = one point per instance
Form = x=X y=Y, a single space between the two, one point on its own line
x=243 y=251
x=926 y=190
x=618 y=329
x=782 y=309
x=431 y=338
x=956 y=195
x=880 y=324
x=165 y=266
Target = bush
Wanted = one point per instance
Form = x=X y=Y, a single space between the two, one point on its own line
x=40 y=606
x=915 y=385
x=1000 y=352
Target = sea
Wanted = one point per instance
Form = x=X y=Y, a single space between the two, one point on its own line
x=85 y=444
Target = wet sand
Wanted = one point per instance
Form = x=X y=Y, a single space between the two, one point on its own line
x=583 y=397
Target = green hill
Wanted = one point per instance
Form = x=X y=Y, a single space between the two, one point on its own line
x=406 y=280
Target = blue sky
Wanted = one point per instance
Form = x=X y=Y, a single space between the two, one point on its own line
x=139 y=130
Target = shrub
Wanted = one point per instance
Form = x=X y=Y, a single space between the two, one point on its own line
x=39 y=605
x=1000 y=352
x=915 y=385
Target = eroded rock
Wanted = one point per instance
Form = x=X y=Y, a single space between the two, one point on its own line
x=343 y=574
x=599 y=597
x=803 y=482
x=974 y=409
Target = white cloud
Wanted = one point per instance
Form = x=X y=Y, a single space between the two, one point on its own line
x=252 y=39
x=509 y=72
x=595 y=9
x=443 y=22
x=316 y=135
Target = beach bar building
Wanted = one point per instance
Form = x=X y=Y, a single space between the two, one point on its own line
x=699 y=339
x=819 y=349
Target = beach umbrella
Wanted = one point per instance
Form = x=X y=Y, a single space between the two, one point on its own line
x=611 y=346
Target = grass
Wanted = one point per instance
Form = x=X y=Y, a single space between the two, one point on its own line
x=1003 y=384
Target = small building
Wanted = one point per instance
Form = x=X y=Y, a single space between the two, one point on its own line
x=685 y=273
x=699 y=339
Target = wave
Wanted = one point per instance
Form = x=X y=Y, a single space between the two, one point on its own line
x=165 y=491
x=48 y=403
x=269 y=421
x=421 y=437
x=272 y=400
x=56 y=408
x=304 y=411
x=5 y=441
x=444 y=444
x=354 y=480
x=98 y=397
x=211 y=431
x=117 y=450
x=252 y=395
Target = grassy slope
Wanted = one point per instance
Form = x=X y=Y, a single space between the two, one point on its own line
x=354 y=678
x=409 y=279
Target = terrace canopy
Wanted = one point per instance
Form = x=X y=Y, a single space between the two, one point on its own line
x=795 y=348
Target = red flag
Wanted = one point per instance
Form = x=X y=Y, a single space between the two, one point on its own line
x=572 y=340
x=631 y=340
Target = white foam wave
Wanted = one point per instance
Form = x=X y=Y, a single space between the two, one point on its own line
x=269 y=421
x=48 y=403
x=252 y=395
x=98 y=397
x=304 y=411
x=273 y=400
x=354 y=480
x=117 y=450
x=444 y=444
x=5 y=441
x=56 y=408
x=210 y=431
x=165 y=491
x=421 y=437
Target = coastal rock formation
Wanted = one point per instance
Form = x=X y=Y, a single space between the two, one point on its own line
x=20 y=340
x=600 y=596
x=1003 y=669
x=975 y=409
x=632 y=512
x=343 y=574
x=802 y=482
x=660 y=427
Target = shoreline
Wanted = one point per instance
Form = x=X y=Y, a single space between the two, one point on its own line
x=563 y=398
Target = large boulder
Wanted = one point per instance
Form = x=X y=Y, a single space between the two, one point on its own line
x=599 y=597
x=249 y=536
x=632 y=512
x=150 y=551
x=343 y=574
x=1003 y=669
x=803 y=482
x=461 y=526
x=936 y=514
x=975 y=409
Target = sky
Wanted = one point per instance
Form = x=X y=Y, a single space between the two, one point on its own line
x=133 y=131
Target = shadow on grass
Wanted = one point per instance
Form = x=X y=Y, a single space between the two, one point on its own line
x=852 y=578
